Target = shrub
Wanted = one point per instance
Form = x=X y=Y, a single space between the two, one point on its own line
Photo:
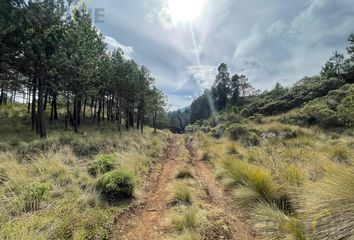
x=34 y=194
x=251 y=139
x=217 y=132
x=184 y=173
x=235 y=132
x=116 y=185
x=248 y=136
x=346 y=111
x=182 y=194
x=103 y=164
x=329 y=205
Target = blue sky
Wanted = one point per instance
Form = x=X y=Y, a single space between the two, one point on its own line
x=269 y=41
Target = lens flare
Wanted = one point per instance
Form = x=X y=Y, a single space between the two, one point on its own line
x=185 y=10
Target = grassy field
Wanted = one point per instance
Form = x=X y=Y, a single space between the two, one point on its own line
x=290 y=182
x=48 y=188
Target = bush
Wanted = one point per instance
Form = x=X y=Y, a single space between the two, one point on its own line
x=217 y=132
x=247 y=136
x=103 y=164
x=251 y=139
x=34 y=194
x=235 y=132
x=116 y=185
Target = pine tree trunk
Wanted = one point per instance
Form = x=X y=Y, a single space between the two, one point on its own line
x=127 y=119
x=46 y=99
x=84 y=113
x=29 y=99
x=33 y=110
x=76 y=113
x=67 y=113
x=55 y=106
x=138 y=115
x=40 y=114
x=142 y=118
x=2 y=94
x=99 y=112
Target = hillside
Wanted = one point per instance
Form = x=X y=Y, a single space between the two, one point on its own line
x=89 y=149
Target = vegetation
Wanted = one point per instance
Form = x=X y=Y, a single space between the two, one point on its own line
x=46 y=185
x=103 y=164
x=116 y=185
x=184 y=173
x=291 y=185
x=284 y=157
x=41 y=50
x=182 y=194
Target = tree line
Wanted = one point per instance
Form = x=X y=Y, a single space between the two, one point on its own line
x=53 y=55
x=235 y=93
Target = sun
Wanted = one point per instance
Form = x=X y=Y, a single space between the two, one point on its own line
x=185 y=10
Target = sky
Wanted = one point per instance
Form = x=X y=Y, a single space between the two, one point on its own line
x=182 y=42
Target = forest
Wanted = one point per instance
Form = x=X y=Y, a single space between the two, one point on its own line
x=90 y=150
x=53 y=57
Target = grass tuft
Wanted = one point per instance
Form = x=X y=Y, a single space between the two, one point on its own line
x=116 y=185
x=182 y=194
x=190 y=220
x=272 y=223
x=184 y=173
x=329 y=205
x=102 y=164
x=34 y=194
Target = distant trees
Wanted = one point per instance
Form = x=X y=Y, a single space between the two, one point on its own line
x=235 y=93
x=52 y=55
x=335 y=66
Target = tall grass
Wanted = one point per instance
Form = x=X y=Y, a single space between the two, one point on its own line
x=46 y=191
x=329 y=205
x=272 y=223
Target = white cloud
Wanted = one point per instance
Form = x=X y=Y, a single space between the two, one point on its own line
x=277 y=28
x=204 y=75
x=113 y=44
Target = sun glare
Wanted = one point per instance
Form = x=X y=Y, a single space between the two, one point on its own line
x=185 y=10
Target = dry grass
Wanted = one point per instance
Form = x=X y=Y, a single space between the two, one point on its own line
x=297 y=184
x=46 y=191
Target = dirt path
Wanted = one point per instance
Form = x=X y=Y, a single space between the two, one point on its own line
x=237 y=229
x=143 y=220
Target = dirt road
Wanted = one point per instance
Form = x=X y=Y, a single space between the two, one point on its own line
x=146 y=218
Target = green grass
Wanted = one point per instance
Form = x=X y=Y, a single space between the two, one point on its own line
x=182 y=194
x=46 y=191
x=329 y=205
x=189 y=220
